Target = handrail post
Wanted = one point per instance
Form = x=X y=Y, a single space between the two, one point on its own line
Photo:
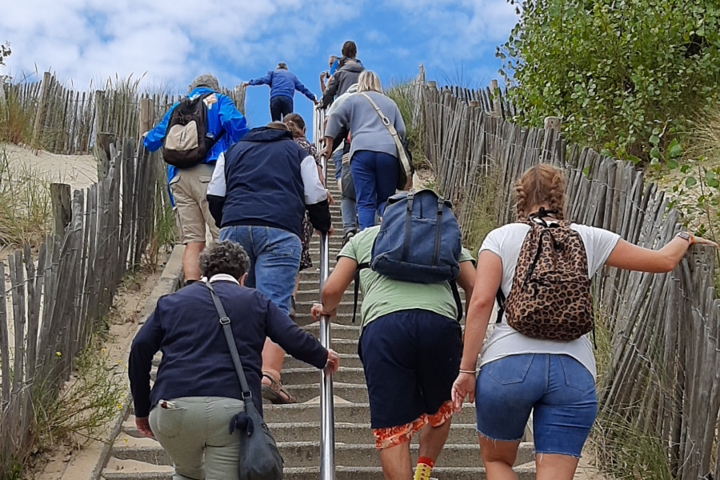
x=327 y=407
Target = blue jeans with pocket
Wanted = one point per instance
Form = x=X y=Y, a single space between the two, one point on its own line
x=559 y=391
x=274 y=260
x=375 y=175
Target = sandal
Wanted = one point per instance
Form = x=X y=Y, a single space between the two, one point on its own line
x=276 y=391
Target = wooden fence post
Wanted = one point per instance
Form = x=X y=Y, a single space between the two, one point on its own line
x=61 y=208
x=432 y=84
x=553 y=123
x=239 y=94
x=146 y=116
x=39 y=115
x=496 y=102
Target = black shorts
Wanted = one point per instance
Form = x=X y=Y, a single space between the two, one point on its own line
x=411 y=359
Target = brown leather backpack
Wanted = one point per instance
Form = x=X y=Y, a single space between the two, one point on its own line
x=550 y=296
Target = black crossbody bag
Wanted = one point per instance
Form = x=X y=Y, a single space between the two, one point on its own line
x=260 y=458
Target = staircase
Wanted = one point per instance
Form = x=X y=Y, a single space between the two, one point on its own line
x=297 y=427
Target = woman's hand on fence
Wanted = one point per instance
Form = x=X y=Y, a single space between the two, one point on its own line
x=317 y=311
x=703 y=241
x=143 y=425
x=464 y=386
x=333 y=361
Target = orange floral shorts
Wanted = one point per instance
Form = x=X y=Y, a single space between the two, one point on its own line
x=391 y=436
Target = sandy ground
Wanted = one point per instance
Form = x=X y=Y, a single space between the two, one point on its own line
x=80 y=171
x=125 y=316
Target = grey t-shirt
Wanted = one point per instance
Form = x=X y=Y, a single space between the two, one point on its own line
x=367 y=131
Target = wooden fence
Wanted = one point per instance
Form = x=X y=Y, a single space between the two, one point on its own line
x=60 y=296
x=664 y=373
x=66 y=121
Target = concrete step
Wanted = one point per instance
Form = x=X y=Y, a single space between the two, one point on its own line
x=355 y=393
x=344 y=413
x=300 y=376
x=358 y=433
x=346 y=360
x=337 y=331
x=524 y=472
x=307 y=454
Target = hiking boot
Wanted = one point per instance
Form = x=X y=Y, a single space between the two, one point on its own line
x=348 y=235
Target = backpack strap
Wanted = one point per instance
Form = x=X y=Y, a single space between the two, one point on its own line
x=356 y=286
x=500 y=297
x=408 y=224
x=458 y=300
x=438 y=230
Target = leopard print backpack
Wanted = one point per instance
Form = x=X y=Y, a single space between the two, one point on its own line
x=550 y=296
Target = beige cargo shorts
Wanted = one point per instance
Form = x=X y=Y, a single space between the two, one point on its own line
x=189 y=188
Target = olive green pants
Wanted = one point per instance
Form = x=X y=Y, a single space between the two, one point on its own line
x=194 y=431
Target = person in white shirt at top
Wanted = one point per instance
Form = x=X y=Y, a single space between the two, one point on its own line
x=520 y=374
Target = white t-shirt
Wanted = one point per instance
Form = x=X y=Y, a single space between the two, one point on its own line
x=506 y=243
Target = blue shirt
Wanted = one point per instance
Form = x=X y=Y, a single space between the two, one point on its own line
x=220 y=115
x=283 y=82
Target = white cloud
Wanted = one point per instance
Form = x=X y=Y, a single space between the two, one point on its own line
x=170 y=39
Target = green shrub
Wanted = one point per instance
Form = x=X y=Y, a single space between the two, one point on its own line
x=617 y=71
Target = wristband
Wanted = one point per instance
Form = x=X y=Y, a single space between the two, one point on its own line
x=686 y=236
x=469 y=372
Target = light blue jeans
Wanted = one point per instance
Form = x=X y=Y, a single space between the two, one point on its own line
x=274 y=260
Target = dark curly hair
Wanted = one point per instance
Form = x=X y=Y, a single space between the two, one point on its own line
x=224 y=257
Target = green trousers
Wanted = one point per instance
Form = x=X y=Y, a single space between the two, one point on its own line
x=194 y=431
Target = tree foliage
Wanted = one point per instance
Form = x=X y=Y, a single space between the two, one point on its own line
x=625 y=75
x=4 y=52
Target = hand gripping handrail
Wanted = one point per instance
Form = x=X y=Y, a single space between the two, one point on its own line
x=327 y=408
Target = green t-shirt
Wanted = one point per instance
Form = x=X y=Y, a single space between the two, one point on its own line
x=383 y=295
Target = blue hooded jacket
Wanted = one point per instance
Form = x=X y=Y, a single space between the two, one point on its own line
x=283 y=82
x=220 y=115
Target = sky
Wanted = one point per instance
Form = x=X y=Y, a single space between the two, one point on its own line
x=169 y=42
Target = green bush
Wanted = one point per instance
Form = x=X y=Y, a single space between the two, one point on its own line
x=618 y=72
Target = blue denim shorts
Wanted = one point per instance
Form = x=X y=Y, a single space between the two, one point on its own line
x=559 y=391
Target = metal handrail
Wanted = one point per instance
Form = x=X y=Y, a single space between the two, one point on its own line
x=327 y=407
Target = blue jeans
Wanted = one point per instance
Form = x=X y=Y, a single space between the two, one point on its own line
x=348 y=206
x=337 y=158
x=280 y=106
x=558 y=388
x=274 y=260
x=375 y=176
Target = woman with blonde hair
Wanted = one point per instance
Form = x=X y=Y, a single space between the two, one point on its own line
x=540 y=359
x=373 y=154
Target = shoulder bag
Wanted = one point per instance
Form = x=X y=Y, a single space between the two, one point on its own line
x=259 y=456
x=405 y=169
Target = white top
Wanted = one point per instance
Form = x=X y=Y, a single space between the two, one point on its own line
x=506 y=243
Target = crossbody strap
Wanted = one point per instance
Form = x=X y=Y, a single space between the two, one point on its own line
x=391 y=128
x=225 y=322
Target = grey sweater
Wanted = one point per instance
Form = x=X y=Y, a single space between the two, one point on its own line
x=367 y=131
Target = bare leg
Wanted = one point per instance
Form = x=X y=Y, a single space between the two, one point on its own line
x=191 y=267
x=297 y=285
x=498 y=458
x=553 y=466
x=432 y=439
x=396 y=463
x=272 y=356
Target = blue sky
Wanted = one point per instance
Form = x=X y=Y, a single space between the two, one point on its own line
x=171 y=41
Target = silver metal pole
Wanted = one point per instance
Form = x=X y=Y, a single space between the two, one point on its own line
x=327 y=406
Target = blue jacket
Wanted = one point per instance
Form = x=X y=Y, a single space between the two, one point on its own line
x=222 y=114
x=196 y=360
x=283 y=82
x=267 y=180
